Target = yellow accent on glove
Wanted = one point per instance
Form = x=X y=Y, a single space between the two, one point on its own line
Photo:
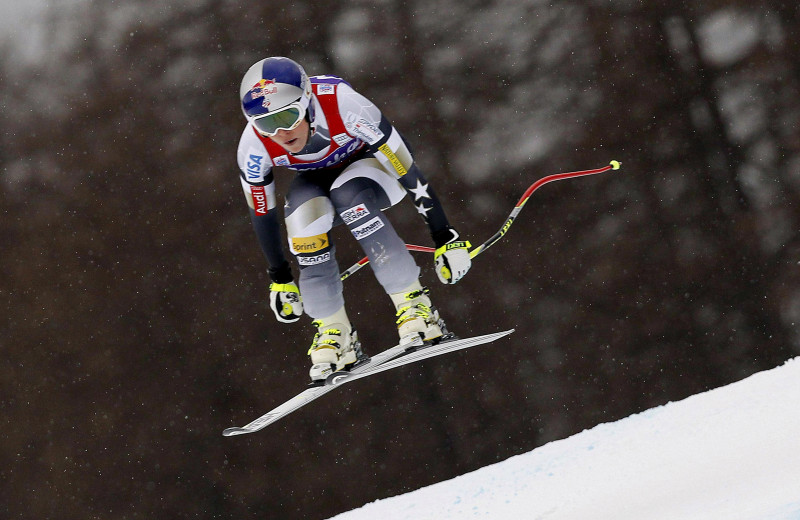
x=450 y=257
x=460 y=244
x=285 y=301
x=284 y=287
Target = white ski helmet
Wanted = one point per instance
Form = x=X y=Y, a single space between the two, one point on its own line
x=276 y=94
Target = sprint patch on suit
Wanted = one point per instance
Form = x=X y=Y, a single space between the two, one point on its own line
x=367 y=229
x=310 y=244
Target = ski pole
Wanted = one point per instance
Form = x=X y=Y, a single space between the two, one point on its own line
x=364 y=261
x=613 y=165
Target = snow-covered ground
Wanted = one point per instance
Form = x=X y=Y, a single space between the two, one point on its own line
x=732 y=453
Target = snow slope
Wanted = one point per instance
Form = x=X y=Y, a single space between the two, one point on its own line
x=732 y=453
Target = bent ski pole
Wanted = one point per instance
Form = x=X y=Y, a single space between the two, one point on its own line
x=613 y=165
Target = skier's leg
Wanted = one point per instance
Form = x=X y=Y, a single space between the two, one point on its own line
x=309 y=218
x=359 y=195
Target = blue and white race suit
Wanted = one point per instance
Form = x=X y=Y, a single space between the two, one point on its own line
x=354 y=166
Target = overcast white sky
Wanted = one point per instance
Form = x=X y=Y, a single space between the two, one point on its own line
x=14 y=12
x=18 y=24
x=21 y=23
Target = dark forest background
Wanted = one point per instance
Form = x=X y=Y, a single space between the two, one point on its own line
x=134 y=323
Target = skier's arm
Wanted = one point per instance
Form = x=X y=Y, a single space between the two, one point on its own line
x=261 y=202
x=284 y=297
x=267 y=228
x=452 y=260
x=365 y=121
x=395 y=156
x=258 y=183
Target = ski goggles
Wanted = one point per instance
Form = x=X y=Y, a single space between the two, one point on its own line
x=287 y=118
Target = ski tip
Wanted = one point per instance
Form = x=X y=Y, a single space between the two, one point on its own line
x=230 y=432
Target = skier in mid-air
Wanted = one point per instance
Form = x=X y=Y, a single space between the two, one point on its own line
x=351 y=164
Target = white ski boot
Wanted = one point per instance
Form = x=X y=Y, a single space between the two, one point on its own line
x=335 y=346
x=418 y=320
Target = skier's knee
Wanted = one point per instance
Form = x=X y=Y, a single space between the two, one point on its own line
x=359 y=191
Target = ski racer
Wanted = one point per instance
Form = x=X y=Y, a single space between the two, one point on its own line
x=350 y=164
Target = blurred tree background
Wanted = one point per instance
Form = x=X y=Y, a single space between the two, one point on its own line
x=135 y=327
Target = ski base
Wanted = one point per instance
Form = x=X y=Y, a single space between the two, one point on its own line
x=394 y=357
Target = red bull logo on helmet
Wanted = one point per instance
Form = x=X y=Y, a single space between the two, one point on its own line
x=264 y=88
